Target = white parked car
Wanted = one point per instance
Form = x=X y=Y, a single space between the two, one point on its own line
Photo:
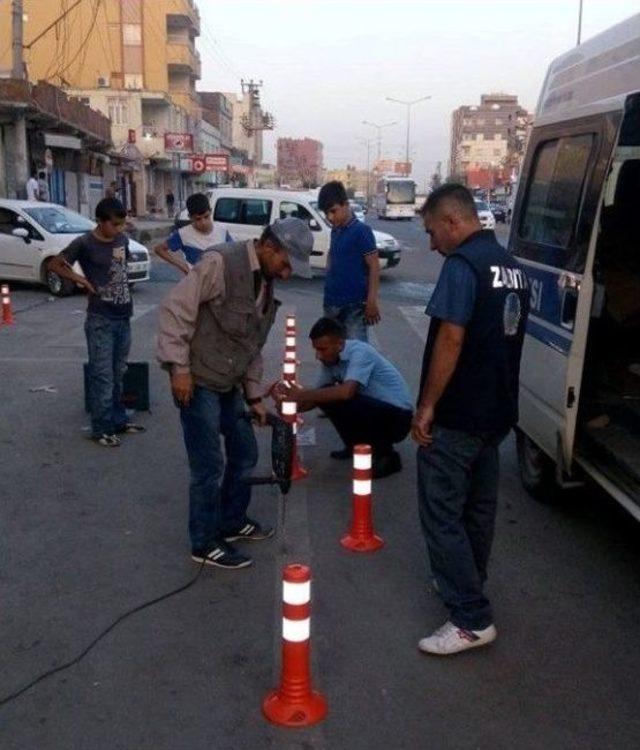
x=487 y=219
x=244 y=212
x=358 y=210
x=32 y=232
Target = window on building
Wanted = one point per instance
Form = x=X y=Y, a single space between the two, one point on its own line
x=554 y=191
x=118 y=111
x=132 y=33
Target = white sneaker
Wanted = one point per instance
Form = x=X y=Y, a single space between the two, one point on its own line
x=449 y=639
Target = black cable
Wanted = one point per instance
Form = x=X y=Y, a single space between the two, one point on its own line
x=105 y=632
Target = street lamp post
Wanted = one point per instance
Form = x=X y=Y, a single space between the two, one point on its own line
x=367 y=143
x=379 y=128
x=408 y=105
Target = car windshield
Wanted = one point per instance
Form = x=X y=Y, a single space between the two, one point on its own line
x=481 y=205
x=314 y=205
x=60 y=220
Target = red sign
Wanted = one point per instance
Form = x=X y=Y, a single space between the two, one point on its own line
x=197 y=164
x=216 y=162
x=179 y=142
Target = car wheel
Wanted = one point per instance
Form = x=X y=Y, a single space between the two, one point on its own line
x=58 y=286
x=537 y=472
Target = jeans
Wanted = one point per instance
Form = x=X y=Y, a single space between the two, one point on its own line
x=218 y=498
x=352 y=318
x=108 y=342
x=458 y=495
x=368 y=421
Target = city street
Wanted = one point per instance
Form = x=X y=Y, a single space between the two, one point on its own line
x=90 y=533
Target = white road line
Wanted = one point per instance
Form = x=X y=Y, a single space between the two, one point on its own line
x=415 y=317
x=140 y=310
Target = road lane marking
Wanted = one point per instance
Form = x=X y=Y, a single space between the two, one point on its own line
x=415 y=317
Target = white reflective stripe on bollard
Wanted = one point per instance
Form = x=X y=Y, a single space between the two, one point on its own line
x=296 y=593
x=289 y=408
x=362 y=461
x=290 y=356
x=290 y=368
x=290 y=341
x=361 y=487
x=296 y=631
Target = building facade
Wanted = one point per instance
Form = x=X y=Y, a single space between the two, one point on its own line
x=134 y=61
x=488 y=140
x=300 y=162
x=357 y=182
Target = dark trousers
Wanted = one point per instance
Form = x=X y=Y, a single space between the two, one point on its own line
x=458 y=495
x=368 y=421
x=218 y=498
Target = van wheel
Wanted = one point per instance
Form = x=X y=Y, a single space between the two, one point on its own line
x=536 y=470
x=58 y=286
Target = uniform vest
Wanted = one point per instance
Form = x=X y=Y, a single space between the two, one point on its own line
x=482 y=394
x=229 y=335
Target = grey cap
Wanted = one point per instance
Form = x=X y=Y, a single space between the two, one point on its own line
x=297 y=239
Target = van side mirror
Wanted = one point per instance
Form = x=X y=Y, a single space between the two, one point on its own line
x=313 y=224
x=22 y=232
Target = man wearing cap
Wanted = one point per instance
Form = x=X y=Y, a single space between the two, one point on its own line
x=212 y=327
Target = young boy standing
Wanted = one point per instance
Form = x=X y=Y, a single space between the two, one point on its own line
x=102 y=255
x=185 y=246
x=353 y=270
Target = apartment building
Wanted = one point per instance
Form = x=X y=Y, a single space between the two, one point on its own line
x=135 y=62
x=488 y=140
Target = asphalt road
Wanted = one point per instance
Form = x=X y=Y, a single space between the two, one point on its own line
x=90 y=533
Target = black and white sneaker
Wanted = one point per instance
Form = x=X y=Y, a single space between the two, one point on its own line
x=251 y=531
x=222 y=556
x=107 y=441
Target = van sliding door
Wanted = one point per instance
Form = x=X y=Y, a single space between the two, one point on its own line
x=553 y=237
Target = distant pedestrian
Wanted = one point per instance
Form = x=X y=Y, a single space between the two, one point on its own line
x=468 y=402
x=43 y=186
x=170 y=200
x=32 y=186
x=212 y=328
x=353 y=269
x=112 y=190
x=184 y=247
x=102 y=255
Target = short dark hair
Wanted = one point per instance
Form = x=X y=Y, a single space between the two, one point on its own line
x=268 y=235
x=331 y=194
x=327 y=327
x=451 y=192
x=110 y=208
x=198 y=203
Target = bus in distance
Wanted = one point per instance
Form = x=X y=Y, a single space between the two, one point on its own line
x=395 y=198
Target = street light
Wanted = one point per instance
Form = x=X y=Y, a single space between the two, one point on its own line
x=408 y=105
x=367 y=143
x=379 y=128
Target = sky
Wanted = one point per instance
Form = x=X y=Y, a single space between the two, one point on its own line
x=328 y=66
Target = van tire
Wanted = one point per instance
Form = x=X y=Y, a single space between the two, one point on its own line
x=58 y=286
x=537 y=472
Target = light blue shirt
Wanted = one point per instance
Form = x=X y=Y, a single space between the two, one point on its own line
x=376 y=376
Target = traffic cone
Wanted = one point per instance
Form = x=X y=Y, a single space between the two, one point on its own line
x=7 y=315
x=295 y=703
x=361 y=536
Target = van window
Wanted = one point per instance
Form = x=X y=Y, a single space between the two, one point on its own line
x=555 y=190
x=227 y=209
x=256 y=212
x=252 y=211
x=289 y=208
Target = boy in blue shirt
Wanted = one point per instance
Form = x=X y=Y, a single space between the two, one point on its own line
x=353 y=270
x=184 y=246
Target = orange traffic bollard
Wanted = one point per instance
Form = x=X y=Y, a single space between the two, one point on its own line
x=361 y=536
x=7 y=315
x=295 y=703
x=290 y=408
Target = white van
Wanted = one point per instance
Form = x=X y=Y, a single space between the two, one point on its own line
x=244 y=213
x=576 y=230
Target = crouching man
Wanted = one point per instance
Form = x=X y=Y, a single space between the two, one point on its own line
x=362 y=393
x=212 y=327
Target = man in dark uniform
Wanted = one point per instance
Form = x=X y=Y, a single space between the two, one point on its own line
x=467 y=404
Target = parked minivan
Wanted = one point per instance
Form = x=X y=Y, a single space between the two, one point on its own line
x=244 y=212
x=576 y=230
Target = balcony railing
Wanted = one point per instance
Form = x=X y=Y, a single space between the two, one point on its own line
x=182 y=58
x=183 y=14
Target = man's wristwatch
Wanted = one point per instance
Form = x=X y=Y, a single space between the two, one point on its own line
x=254 y=401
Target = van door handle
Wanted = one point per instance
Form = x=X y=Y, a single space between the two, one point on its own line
x=568 y=308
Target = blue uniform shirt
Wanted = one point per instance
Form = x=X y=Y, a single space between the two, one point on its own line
x=455 y=293
x=375 y=375
x=192 y=243
x=347 y=279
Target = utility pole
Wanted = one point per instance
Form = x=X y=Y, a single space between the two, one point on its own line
x=379 y=128
x=367 y=143
x=408 y=105
x=17 y=22
x=579 y=21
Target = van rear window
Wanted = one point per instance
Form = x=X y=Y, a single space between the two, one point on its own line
x=253 y=211
x=555 y=191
